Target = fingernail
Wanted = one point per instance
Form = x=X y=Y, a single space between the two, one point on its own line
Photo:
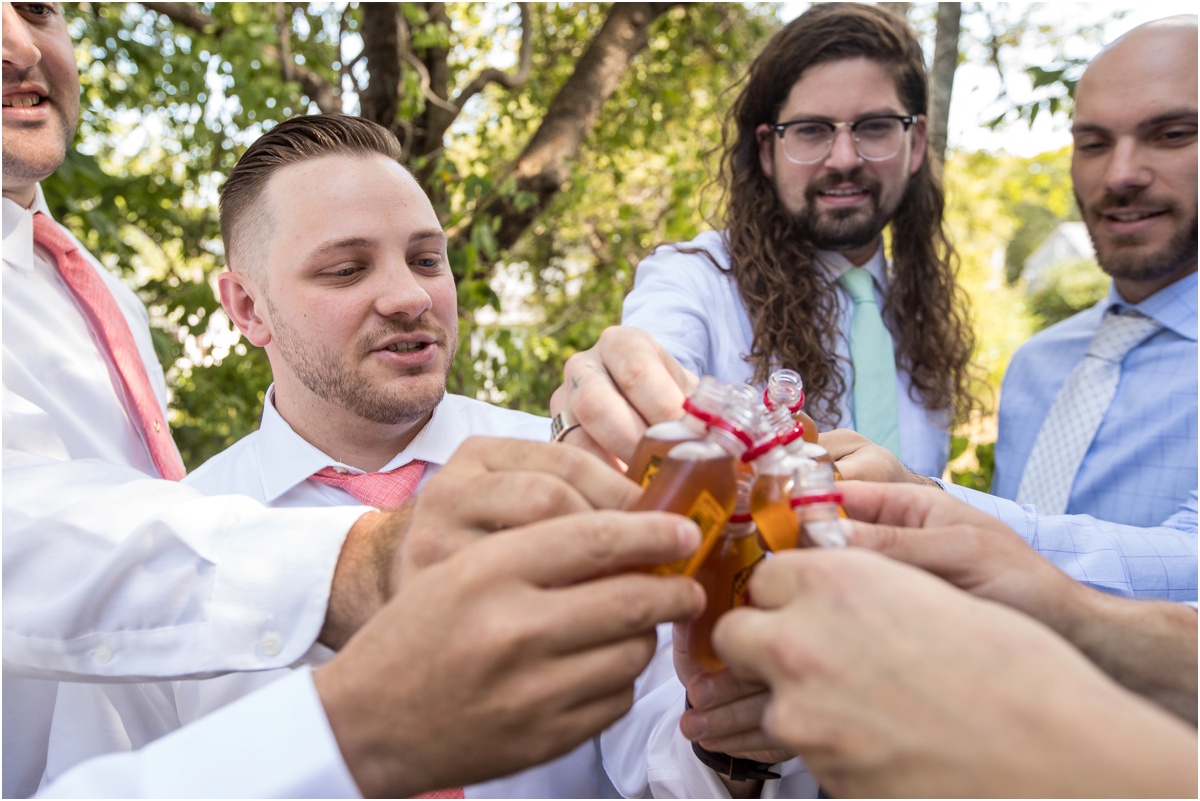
x=688 y=534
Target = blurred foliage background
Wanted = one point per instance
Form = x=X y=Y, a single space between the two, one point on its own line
x=560 y=143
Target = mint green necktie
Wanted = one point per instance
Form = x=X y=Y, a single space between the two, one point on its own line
x=876 y=414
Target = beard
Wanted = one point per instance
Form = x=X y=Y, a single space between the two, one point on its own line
x=1125 y=257
x=329 y=376
x=841 y=229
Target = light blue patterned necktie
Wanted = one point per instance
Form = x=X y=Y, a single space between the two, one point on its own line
x=1074 y=418
x=876 y=402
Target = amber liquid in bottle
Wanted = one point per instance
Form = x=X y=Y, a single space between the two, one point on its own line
x=810 y=426
x=654 y=446
x=771 y=507
x=697 y=480
x=724 y=575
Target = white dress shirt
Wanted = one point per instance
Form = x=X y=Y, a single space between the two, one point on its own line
x=110 y=573
x=273 y=466
x=694 y=311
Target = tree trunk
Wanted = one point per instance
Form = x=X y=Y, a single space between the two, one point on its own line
x=385 y=38
x=545 y=163
x=941 y=76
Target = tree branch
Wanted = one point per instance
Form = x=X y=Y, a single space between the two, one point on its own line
x=189 y=16
x=319 y=90
x=513 y=80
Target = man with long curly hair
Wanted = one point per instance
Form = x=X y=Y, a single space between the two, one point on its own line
x=824 y=148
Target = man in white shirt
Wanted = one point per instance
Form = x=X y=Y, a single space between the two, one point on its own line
x=112 y=574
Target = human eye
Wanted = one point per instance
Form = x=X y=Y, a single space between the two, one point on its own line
x=343 y=271
x=39 y=10
x=875 y=126
x=428 y=262
x=1176 y=135
x=1090 y=144
x=810 y=130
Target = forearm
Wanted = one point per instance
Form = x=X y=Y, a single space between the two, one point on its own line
x=1147 y=646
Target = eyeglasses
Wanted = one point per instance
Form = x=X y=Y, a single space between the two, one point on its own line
x=875 y=138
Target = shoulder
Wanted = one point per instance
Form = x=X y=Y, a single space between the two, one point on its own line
x=706 y=253
x=234 y=470
x=478 y=418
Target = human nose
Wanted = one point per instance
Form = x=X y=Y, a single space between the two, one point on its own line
x=1127 y=168
x=402 y=293
x=20 y=51
x=843 y=155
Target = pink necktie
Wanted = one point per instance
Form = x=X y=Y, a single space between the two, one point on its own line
x=381 y=490
x=106 y=320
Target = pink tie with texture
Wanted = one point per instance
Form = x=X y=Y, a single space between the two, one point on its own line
x=107 y=322
x=381 y=490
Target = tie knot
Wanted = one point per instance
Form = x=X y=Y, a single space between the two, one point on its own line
x=383 y=490
x=860 y=284
x=48 y=234
x=1119 y=333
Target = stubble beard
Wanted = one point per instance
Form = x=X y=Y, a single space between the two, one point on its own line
x=326 y=375
x=48 y=150
x=1121 y=257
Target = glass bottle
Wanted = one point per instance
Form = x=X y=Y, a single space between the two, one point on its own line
x=795 y=503
x=724 y=575
x=698 y=479
x=786 y=389
x=707 y=400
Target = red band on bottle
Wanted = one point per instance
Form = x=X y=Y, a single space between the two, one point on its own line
x=697 y=412
x=725 y=425
x=742 y=518
x=812 y=500
x=798 y=405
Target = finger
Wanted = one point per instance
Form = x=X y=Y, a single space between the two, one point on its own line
x=580 y=438
x=493 y=501
x=613 y=608
x=841 y=442
x=576 y=547
x=601 y=486
x=596 y=403
x=907 y=505
x=743 y=638
x=653 y=381
x=718 y=688
x=734 y=719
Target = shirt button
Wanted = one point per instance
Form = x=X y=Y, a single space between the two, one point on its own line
x=271 y=644
x=102 y=654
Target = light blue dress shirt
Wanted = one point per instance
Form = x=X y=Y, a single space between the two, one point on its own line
x=691 y=306
x=1142 y=465
x=1137 y=562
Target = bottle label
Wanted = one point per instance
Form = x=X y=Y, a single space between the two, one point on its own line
x=651 y=468
x=741 y=580
x=708 y=514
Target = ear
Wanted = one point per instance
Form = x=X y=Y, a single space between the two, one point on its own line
x=918 y=145
x=239 y=298
x=766 y=149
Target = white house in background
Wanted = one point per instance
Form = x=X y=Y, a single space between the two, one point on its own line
x=1068 y=242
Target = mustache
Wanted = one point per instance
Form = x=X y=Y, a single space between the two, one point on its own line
x=1112 y=201
x=370 y=341
x=858 y=179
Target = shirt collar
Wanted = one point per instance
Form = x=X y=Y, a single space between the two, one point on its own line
x=1173 y=307
x=836 y=265
x=18 y=231
x=286 y=459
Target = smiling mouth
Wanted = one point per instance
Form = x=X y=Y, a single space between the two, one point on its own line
x=25 y=101
x=857 y=190
x=1133 y=216
x=407 y=347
